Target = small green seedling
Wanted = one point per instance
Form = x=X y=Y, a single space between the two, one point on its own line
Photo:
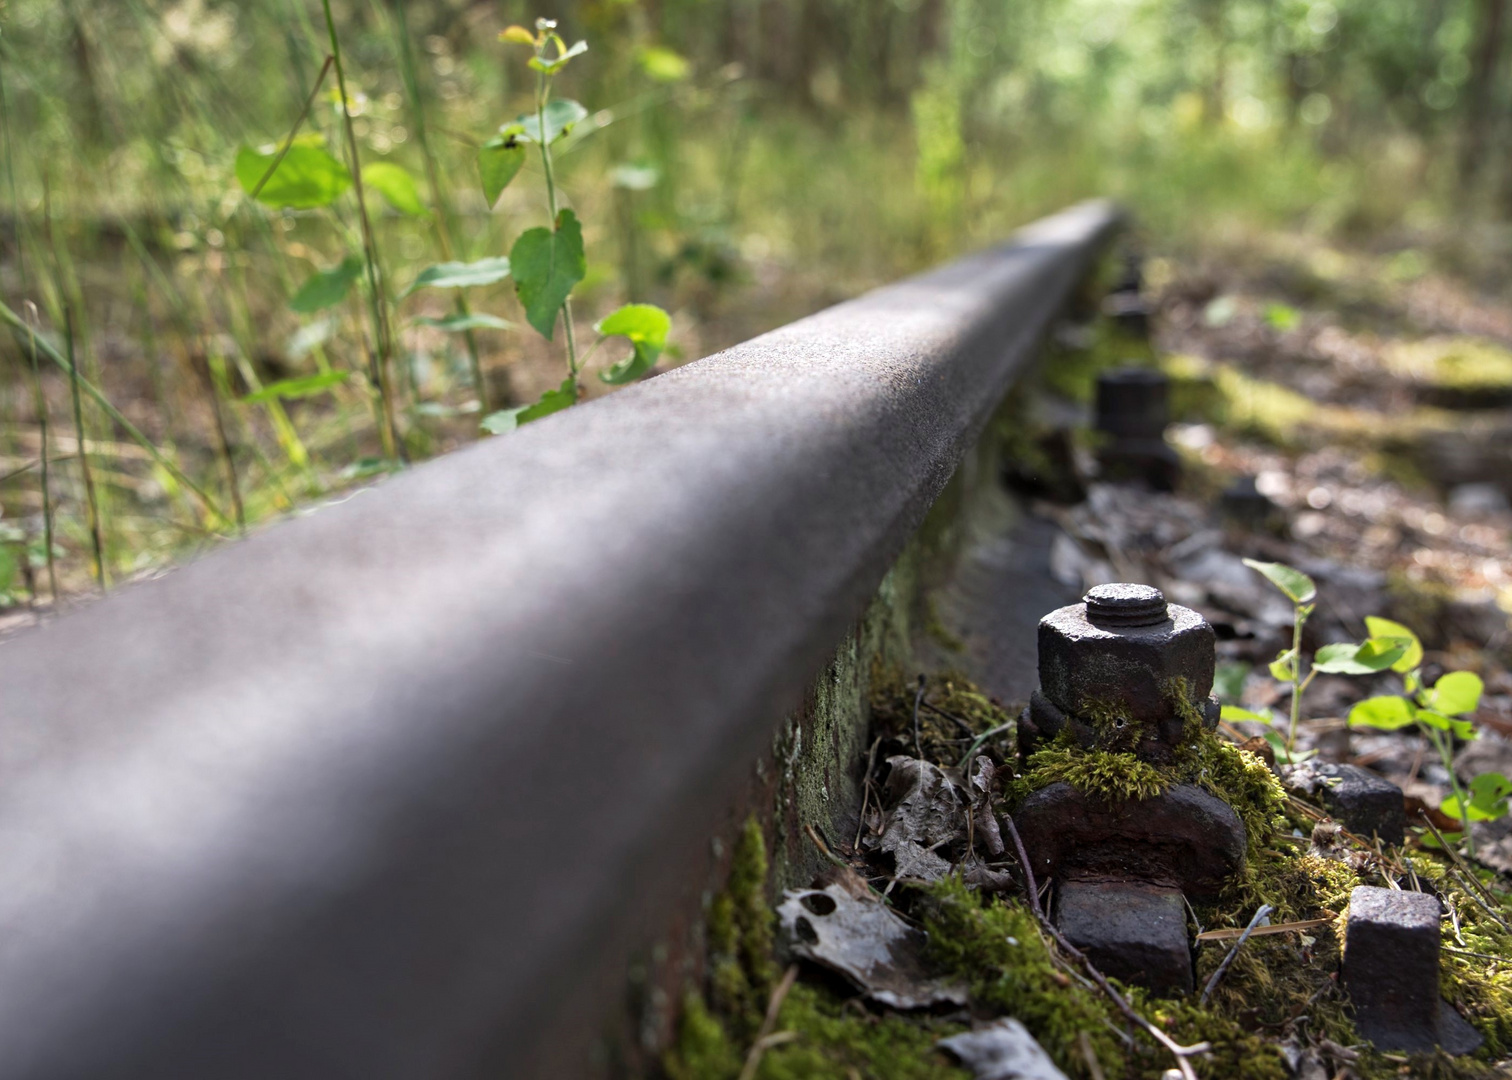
x=548 y=262
x=1438 y=711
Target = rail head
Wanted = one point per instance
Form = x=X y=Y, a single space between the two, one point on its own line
x=388 y=790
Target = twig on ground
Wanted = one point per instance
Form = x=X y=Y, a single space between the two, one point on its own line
x=764 y=1038
x=918 y=699
x=1093 y=1066
x=1179 y=1052
x=1212 y=984
x=959 y=721
x=871 y=763
x=980 y=741
x=813 y=834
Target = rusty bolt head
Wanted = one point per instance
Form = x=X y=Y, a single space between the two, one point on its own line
x=1126 y=670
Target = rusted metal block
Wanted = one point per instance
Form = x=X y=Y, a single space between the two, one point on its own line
x=1391 y=973
x=1366 y=804
x=1125 y=671
x=1133 y=931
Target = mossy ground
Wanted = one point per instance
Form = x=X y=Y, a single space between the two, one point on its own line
x=1278 y=986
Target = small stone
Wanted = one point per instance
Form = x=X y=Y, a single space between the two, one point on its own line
x=1185 y=838
x=1131 y=930
x=1365 y=803
x=1003 y=1050
x=1391 y=973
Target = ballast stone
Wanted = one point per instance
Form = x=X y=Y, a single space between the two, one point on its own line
x=1365 y=803
x=1133 y=931
x=1391 y=973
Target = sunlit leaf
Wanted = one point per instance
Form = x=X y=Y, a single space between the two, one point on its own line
x=561 y=114
x=1281 y=317
x=1297 y=586
x=1488 y=799
x=635 y=177
x=548 y=264
x=1228 y=679
x=550 y=67
x=1284 y=667
x=1384 y=713
x=475 y=320
x=505 y=420
x=1395 y=631
x=1366 y=658
x=647 y=326
x=327 y=287
x=398 y=188
x=1235 y=714
x=306 y=178
x=304 y=386
x=1456 y=693
x=517 y=35
x=461 y=275
x=663 y=65
x=499 y=159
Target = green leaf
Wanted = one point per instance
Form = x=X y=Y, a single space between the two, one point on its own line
x=633 y=177
x=306 y=178
x=10 y=565
x=301 y=387
x=1432 y=718
x=398 y=188
x=1284 y=667
x=551 y=67
x=663 y=65
x=561 y=115
x=499 y=159
x=1233 y=713
x=647 y=326
x=1488 y=799
x=327 y=287
x=1395 y=631
x=1228 y=680
x=1456 y=693
x=461 y=275
x=1366 y=658
x=551 y=401
x=547 y=265
x=1281 y=317
x=1296 y=585
x=1383 y=713
x=475 y=320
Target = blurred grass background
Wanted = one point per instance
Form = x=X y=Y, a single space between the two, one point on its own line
x=744 y=162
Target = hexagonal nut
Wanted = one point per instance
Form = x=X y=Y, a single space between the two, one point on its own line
x=1130 y=685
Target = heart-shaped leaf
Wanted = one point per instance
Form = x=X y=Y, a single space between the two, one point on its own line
x=1366 y=658
x=547 y=265
x=647 y=326
x=398 y=188
x=327 y=288
x=1488 y=799
x=1395 y=631
x=1456 y=693
x=1383 y=713
x=499 y=159
x=461 y=275
x=307 y=177
x=560 y=114
x=1296 y=585
x=497 y=423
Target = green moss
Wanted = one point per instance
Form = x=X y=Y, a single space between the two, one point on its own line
x=1109 y=775
x=740 y=936
x=703 y=1050
x=892 y=698
x=997 y=948
x=1460 y=363
x=835 y=1039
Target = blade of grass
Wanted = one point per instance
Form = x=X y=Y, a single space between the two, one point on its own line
x=383 y=353
x=91 y=501
x=46 y=452
x=19 y=327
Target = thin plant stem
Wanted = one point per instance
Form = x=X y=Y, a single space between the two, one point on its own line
x=543 y=94
x=441 y=219
x=1443 y=742
x=15 y=321
x=1298 y=618
x=383 y=354
x=223 y=439
x=96 y=537
x=45 y=479
x=293 y=131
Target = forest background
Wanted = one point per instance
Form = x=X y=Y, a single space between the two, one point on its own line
x=740 y=163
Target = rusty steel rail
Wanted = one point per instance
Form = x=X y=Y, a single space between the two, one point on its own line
x=390 y=790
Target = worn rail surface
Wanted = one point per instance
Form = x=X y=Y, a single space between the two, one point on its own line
x=390 y=790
